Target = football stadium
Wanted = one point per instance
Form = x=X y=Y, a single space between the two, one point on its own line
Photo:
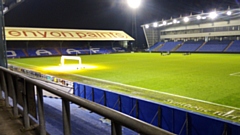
x=186 y=81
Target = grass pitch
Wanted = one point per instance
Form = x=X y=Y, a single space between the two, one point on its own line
x=208 y=77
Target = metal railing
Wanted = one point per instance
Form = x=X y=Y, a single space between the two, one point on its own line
x=22 y=91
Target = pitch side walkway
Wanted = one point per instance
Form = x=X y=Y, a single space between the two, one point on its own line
x=10 y=126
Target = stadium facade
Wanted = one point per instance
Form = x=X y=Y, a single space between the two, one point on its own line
x=202 y=30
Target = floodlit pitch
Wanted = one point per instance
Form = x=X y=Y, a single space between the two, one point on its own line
x=208 y=77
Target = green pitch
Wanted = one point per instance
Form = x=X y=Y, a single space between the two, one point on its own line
x=209 y=77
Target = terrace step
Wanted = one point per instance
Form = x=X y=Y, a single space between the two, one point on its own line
x=228 y=46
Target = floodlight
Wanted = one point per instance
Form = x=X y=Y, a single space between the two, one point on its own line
x=213 y=15
x=178 y=21
x=164 y=22
x=5 y=9
x=199 y=17
x=175 y=21
x=229 y=12
x=169 y=23
x=134 y=3
x=146 y=26
x=155 y=24
x=204 y=17
x=185 y=19
x=160 y=25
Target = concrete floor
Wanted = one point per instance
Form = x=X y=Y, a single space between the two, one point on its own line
x=9 y=125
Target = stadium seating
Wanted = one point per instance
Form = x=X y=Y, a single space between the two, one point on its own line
x=15 y=53
x=235 y=47
x=190 y=46
x=215 y=46
x=101 y=50
x=155 y=46
x=74 y=51
x=168 y=46
x=42 y=52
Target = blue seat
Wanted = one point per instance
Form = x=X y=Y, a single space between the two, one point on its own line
x=235 y=47
x=215 y=46
x=190 y=46
x=168 y=46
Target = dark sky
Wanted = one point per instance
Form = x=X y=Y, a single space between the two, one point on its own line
x=105 y=14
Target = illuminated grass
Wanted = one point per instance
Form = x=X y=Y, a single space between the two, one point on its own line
x=199 y=76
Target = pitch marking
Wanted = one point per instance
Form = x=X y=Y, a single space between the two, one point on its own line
x=235 y=74
x=149 y=89
x=158 y=92
x=23 y=63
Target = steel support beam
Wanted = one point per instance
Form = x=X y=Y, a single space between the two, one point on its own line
x=116 y=129
x=3 y=50
x=66 y=117
x=41 y=111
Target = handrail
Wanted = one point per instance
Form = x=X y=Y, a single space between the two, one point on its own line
x=118 y=119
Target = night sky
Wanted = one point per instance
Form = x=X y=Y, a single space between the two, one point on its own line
x=105 y=14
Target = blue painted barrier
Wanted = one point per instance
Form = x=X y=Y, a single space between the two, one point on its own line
x=170 y=118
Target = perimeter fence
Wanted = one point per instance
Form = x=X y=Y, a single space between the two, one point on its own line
x=175 y=120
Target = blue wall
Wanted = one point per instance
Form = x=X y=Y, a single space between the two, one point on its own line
x=175 y=120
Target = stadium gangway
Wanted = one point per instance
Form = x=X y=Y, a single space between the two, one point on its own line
x=11 y=83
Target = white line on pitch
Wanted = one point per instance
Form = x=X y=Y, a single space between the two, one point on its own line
x=235 y=74
x=23 y=63
x=147 y=89
x=159 y=92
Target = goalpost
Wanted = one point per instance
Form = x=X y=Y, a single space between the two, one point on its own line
x=63 y=58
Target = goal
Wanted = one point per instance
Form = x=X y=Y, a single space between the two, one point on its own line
x=78 y=58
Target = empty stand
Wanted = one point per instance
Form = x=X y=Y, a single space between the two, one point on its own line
x=15 y=53
x=42 y=52
x=155 y=46
x=215 y=46
x=168 y=46
x=235 y=47
x=190 y=46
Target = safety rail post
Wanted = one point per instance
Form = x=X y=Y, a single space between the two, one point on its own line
x=25 y=106
x=1 y=85
x=137 y=109
x=187 y=124
x=116 y=129
x=93 y=94
x=118 y=119
x=66 y=117
x=4 y=87
x=41 y=111
x=119 y=103
x=159 y=116
x=14 y=96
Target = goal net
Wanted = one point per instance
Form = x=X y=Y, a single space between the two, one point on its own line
x=77 y=58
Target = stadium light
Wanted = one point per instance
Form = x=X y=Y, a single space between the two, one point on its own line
x=164 y=22
x=199 y=17
x=134 y=3
x=213 y=15
x=204 y=17
x=185 y=19
x=229 y=13
x=5 y=10
x=146 y=26
x=175 y=21
x=160 y=25
x=155 y=24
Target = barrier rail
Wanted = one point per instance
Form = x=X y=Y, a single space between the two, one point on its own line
x=175 y=120
x=22 y=91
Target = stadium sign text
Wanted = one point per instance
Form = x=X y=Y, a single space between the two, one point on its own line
x=227 y=114
x=64 y=34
